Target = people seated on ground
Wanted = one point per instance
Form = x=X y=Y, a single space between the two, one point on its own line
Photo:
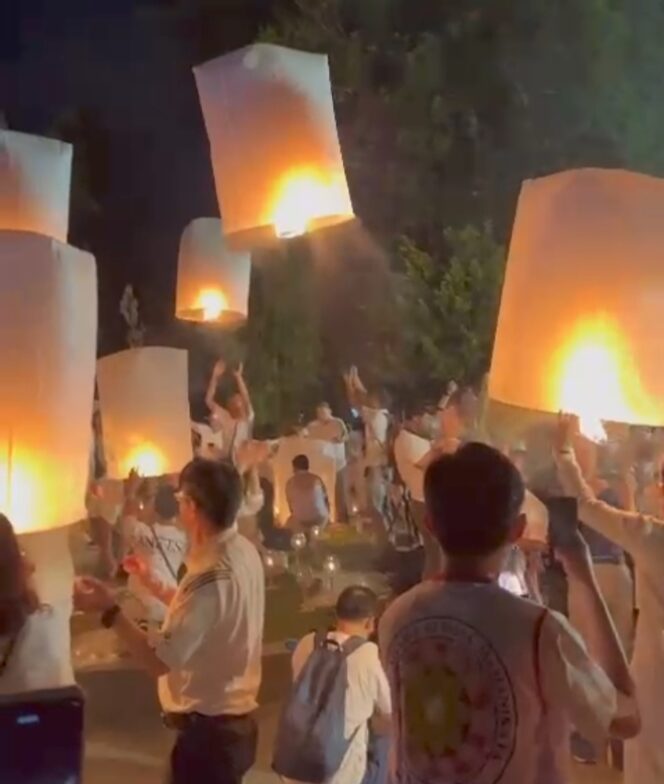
x=306 y=497
x=234 y=420
x=34 y=637
x=327 y=427
x=207 y=656
x=353 y=707
x=155 y=545
x=642 y=537
x=486 y=684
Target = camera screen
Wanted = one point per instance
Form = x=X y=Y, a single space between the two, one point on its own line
x=41 y=737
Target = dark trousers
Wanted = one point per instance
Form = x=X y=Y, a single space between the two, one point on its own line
x=218 y=750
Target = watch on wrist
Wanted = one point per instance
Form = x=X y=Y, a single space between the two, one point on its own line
x=108 y=616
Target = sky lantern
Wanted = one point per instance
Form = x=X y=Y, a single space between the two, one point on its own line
x=35 y=178
x=144 y=403
x=48 y=342
x=580 y=319
x=213 y=280
x=276 y=157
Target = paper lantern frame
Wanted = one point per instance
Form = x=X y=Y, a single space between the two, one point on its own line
x=35 y=181
x=48 y=344
x=213 y=280
x=144 y=404
x=276 y=157
x=580 y=313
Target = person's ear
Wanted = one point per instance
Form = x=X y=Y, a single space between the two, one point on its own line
x=518 y=528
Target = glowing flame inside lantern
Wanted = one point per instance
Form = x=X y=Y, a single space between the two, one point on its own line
x=213 y=303
x=303 y=197
x=19 y=494
x=146 y=460
x=597 y=380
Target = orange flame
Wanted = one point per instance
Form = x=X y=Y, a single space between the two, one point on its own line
x=146 y=460
x=212 y=302
x=303 y=197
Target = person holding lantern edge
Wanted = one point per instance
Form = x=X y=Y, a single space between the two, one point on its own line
x=235 y=419
x=642 y=537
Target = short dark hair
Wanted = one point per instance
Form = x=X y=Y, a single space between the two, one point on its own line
x=165 y=502
x=215 y=488
x=473 y=496
x=301 y=463
x=357 y=603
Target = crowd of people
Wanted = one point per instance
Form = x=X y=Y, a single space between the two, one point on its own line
x=479 y=672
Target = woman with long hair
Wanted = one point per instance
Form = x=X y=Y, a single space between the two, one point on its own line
x=30 y=632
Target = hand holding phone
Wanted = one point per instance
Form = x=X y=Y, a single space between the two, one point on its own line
x=563 y=522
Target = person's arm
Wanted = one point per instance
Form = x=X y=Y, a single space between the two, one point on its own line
x=447 y=396
x=244 y=392
x=135 y=565
x=217 y=372
x=355 y=389
x=343 y=432
x=601 y=637
x=93 y=595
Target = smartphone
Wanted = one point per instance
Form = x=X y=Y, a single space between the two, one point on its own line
x=41 y=737
x=563 y=521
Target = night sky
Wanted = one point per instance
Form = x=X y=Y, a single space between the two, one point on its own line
x=113 y=58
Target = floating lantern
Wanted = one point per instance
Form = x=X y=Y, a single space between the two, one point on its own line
x=144 y=403
x=580 y=317
x=275 y=153
x=35 y=178
x=48 y=341
x=213 y=281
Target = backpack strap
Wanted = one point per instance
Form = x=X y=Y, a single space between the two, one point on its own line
x=351 y=645
x=537 y=636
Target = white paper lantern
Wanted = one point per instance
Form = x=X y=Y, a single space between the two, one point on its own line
x=213 y=281
x=35 y=179
x=48 y=342
x=144 y=403
x=276 y=157
x=581 y=312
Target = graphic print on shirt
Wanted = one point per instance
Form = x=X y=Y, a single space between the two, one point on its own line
x=454 y=704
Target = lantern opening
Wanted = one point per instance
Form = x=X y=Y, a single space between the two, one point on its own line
x=212 y=303
x=596 y=379
x=304 y=197
x=146 y=460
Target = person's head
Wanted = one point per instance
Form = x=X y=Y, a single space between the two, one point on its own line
x=377 y=399
x=209 y=496
x=18 y=598
x=474 y=499
x=236 y=407
x=300 y=463
x=323 y=412
x=413 y=418
x=166 y=503
x=356 y=610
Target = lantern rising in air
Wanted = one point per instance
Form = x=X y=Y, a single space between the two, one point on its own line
x=276 y=157
x=579 y=323
x=35 y=179
x=213 y=280
x=144 y=404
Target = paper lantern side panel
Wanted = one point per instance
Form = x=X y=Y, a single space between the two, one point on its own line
x=143 y=396
x=35 y=182
x=213 y=281
x=48 y=334
x=578 y=321
x=266 y=179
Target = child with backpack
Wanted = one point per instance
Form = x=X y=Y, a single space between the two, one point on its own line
x=339 y=687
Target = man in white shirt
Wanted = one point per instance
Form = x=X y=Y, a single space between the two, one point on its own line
x=207 y=655
x=327 y=427
x=235 y=420
x=485 y=685
x=368 y=693
x=409 y=450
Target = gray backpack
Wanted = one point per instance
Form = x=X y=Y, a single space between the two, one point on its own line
x=311 y=743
